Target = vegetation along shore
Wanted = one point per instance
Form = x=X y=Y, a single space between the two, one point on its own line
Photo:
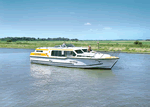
x=105 y=45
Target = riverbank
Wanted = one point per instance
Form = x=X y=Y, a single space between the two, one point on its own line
x=106 y=46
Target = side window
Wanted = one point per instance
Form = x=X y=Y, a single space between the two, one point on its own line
x=39 y=51
x=73 y=54
x=85 y=50
x=69 y=53
x=65 y=53
x=53 y=53
x=56 y=53
x=59 y=53
x=78 y=51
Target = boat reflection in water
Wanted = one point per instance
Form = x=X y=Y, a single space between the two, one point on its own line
x=96 y=73
x=54 y=83
x=40 y=71
x=41 y=74
x=45 y=72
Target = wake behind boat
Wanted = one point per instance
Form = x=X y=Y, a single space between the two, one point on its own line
x=67 y=55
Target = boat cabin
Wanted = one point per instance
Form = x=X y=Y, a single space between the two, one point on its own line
x=60 y=51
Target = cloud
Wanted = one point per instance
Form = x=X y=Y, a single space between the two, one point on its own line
x=107 y=28
x=87 y=23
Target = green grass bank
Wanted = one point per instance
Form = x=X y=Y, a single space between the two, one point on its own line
x=123 y=46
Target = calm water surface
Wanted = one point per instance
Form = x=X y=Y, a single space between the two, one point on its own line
x=31 y=85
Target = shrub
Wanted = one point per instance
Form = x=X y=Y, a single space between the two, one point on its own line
x=137 y=42
x=9 y=41
x=140 y=43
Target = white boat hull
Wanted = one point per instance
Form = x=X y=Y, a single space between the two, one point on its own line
x=75 y=62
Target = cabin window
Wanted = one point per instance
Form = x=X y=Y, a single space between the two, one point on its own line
x=39 y=51
x=69 y=53
x=59 y=53
x=78 y=51
x=85 y=50
x=62 y=53
x=74 y=54
x=56 y=53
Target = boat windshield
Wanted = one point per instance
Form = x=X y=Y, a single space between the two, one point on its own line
x=70 y=45
x=78 y=51
x=67 y=45
x=85 y=50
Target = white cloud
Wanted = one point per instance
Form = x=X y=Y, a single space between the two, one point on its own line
x=107 y=28
x=87 y=23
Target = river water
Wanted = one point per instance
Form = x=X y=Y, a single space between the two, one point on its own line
x=23 y=84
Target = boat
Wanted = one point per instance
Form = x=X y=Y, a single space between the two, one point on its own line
x=70 y=56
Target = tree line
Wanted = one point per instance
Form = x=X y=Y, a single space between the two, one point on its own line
x=13 y=39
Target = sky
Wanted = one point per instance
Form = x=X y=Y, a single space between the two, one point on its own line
x=82 y=19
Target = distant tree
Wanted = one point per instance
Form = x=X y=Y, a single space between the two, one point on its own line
x=147 y=39
x=34 y=39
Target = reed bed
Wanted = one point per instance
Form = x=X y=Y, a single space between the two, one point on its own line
x=123 y=46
